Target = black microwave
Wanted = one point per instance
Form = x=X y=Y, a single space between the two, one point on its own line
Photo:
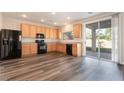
x=40 y=36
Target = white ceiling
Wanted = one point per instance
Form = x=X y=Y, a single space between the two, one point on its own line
x=60 y=17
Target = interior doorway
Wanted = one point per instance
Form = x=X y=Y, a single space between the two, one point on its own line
x=99 y=39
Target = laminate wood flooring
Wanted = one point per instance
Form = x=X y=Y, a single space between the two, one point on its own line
x=59 y=67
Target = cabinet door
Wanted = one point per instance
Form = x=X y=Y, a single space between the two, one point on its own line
x=25 y=30
x=53 y=47
x=25 y=49
x=43 y=30
x=77 y=30
x=49 y=48
x=74 y=49
x=51 y=33
x=33 y=31
x=58 y=34
x=47 y=33
x=54 y=33
x=64 y=48
x=59 y=47
x=38 y=29
x=33 y=48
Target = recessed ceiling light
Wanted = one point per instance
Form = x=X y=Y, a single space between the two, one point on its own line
x=42 y=20
x=53 y=13
x=55 y=23
x=24 y=15
x=68 y=17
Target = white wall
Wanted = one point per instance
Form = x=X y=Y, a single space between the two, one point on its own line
x=0 y=20
x=121 y=38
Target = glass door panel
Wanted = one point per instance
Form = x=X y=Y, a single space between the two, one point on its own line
x=99 y=39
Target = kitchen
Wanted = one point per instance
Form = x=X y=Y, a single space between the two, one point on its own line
x=51 y=46
x=52 y=37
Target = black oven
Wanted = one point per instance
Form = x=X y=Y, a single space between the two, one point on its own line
x=42 y=47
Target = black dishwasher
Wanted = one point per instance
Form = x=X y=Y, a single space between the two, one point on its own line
x=69 y=49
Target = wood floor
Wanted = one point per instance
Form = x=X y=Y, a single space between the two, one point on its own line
x=59 y=67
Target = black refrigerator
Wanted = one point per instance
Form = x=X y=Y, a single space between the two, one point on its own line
x=10 y=44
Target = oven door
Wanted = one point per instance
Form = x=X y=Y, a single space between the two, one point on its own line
x=42 y=48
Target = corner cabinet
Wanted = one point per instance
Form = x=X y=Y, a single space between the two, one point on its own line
x=77 y=29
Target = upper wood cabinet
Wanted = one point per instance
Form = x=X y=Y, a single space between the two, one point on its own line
x=25 y=30
x=54 y=33
x=51 y=33
x=43 y=30
x=77 y=28
x=33 y=31
x=58 y=34
x=38 y=29
x=28 y=30
x=47 y=33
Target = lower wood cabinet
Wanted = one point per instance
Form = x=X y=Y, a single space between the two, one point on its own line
x=51 y=47
x=33 y=48
x=25 y=49
x=77 y=49
x=74 y=49
x=29 y=49
x=61 y=48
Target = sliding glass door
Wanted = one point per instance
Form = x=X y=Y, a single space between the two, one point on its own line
x=99 y=39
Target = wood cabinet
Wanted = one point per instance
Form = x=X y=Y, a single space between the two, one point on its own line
x=47 y=33
x=29 y=49
x=25 y=30
x=77 y=28
x=74 y=49
x=54 y=33
x=33 y=31
x=51 y=47
x=77 y=49
x=33 y=48
x=28 y=30
x=58 y=34
x=61 y=48
x=51 y=33
x=40 y=30
x=43 y=30
x=25 y=49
